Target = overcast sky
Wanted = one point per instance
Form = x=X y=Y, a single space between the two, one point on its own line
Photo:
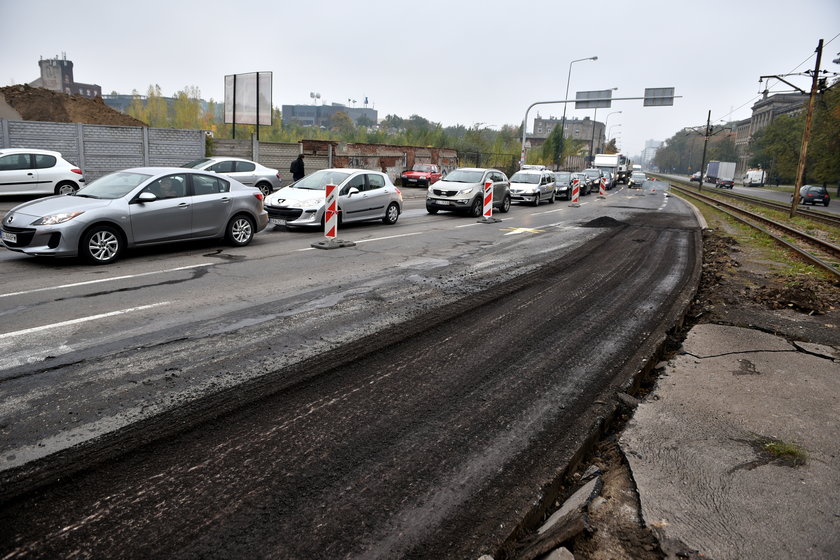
x=454 y=62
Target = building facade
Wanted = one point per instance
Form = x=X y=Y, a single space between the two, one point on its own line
x=577 y=129
x=320 y=115
x=57 y=75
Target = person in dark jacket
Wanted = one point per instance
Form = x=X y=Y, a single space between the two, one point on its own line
x=296 y=168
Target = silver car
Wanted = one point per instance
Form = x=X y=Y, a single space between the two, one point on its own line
x=462 y=190
x=362 y=195
x=140 y=206
x=532 y=186
x=247 y=172
x=25 y=171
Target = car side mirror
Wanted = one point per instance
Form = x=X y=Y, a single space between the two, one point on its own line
x=146 y=196
x=352 y=191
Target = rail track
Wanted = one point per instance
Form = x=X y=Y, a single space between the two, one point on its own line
x=819 y=252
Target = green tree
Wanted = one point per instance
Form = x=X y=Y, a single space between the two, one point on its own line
x=186 y=108
x=341 y=123
x=157 y=108
x=780 y=142
x=137 y=108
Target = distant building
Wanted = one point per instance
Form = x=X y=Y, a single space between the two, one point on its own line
x=320 y=115
x=57 y=75
x=575 y=129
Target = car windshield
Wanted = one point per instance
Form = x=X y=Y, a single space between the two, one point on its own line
x=464 y=176
x=424 y=167
x=196 y=164
x=319 y=180
x=532 y=178
x=592 y=173
x=563 y=176
x=115 y=185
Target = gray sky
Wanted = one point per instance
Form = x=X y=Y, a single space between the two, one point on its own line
x=453 y=62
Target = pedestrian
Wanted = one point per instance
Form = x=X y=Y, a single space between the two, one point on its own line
x=296 y=168
x=838 y=188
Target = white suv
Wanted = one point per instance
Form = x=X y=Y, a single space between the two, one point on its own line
x=25 y=171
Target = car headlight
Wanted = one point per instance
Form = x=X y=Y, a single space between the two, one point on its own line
x=54 y=219
x=465 y=192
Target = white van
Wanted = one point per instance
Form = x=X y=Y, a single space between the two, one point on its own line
x=754 y=178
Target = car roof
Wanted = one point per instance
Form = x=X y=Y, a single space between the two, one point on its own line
x=29 y=151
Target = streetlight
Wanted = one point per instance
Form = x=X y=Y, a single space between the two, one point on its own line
x=594 y=118
x=607 y=120
x=568 y=80
x=609 y=135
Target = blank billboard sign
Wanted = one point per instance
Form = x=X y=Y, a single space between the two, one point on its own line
x=593 y=99
x=659 y=97
x=247 y=97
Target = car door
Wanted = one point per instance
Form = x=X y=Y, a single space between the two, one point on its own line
x=211 y=205
x=167 y=218
x=352 y=205
x=17 y=175
x=500 y=186
x=244 y=172
x=376 y=196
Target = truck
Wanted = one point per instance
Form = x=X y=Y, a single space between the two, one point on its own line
x=754 y=178
x=617 y=164
x=721 y=173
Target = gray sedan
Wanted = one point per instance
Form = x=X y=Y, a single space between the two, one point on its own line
x=141 y=206
x=245 y=171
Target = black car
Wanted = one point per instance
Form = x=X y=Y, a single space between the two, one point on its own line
x=725 y=183
x=814 y=194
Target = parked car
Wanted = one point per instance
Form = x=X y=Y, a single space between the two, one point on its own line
x=362 y=195
x=563 y=184
x=245 y=171
x=140 y=206
x=421 y=175
x=25 y=171
x=583 y=182
x=814 y=194
x=532 y=186
x=636 y=180
x=593 y=176
x=462 y=191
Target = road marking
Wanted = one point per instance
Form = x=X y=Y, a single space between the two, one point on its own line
x=548 y=212
x=105 y=280
x=80 y=320
x=518 y=230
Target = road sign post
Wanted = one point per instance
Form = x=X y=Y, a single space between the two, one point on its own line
x=331 y=211
x=488 y=205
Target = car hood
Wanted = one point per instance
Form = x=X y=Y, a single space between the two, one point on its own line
x=417 y=174
x=292 y=194
x=59 y=203
x=454 y=186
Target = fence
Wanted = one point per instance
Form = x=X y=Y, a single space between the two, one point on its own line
x=101 y=149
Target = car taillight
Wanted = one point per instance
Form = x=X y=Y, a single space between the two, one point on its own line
x=398 y=190
x=259 y=196
x=76 y=170
x=279 y=178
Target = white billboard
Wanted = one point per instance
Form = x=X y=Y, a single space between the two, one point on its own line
x=248 y=98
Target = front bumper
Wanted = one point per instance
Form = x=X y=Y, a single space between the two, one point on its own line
x=284 y=215
x=47 y=241
x=448 y=203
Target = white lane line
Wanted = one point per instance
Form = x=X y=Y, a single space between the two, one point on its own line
x=373 y=239
x=80 y=320
x=548 y=212
x=105 y=280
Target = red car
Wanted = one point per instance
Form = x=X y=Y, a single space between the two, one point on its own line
x=421 y=175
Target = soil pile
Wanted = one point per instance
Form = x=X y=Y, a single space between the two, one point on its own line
x=39 y=104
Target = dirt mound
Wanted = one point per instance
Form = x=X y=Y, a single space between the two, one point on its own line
x=603 y=222
x=39 y=104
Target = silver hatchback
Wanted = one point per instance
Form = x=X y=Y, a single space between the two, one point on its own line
x=140 y=206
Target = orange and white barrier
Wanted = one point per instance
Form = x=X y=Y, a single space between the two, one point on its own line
x=602 y=189
x=331 y=213
x=575 y=193
x=488 y=200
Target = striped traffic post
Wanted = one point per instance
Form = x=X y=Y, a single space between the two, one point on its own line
x=488 y=204
x=575 y=193
x=331 y=222
x=602 y=189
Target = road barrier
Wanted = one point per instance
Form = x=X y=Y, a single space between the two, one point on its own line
x=602 y=189
x=331 y=222
x=575 y=193
x=488 y=204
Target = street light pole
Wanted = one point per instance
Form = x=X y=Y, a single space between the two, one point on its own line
x=568 y=80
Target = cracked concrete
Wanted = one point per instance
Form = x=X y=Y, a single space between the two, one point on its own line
x=696 y=448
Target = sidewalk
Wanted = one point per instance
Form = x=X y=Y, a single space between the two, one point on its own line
x=700 y=447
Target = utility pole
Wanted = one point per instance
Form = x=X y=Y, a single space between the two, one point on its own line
x=806 y=135
x=705 y=143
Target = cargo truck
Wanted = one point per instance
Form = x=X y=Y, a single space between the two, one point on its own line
x=721 y=173
x=617 y=164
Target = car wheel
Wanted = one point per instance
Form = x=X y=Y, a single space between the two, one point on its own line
x=391 y=214
x=240 y=230
x=265 y=188
x=476 y=209
x=505 y=207
x=825 y=203
x=66 y=188
x=101 y=245
x=553 y=196
x=537 y=199
x=431 y=209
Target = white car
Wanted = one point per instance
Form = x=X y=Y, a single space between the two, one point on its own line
x=533 y=186
x=362 y=195
x=25 y=171
x=247 y=172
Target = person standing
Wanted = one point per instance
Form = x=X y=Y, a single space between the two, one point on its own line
x=296 y=168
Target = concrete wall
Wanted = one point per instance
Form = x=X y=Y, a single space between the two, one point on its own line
x=100 y=149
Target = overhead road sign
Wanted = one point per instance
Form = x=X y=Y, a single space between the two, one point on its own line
x=659 y=97
x=593 y=99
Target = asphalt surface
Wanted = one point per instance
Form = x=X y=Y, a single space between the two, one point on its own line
x=433 y=440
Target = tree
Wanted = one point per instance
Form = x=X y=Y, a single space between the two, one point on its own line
x=341 y=123
x=779 y=142
x=186 y=108
x=158 y=111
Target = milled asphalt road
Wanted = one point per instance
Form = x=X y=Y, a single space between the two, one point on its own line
x=433 y=446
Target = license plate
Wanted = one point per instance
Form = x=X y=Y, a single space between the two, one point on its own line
x=277 y=221
x=412 y=180
x=10 y=237
x=444 y=202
